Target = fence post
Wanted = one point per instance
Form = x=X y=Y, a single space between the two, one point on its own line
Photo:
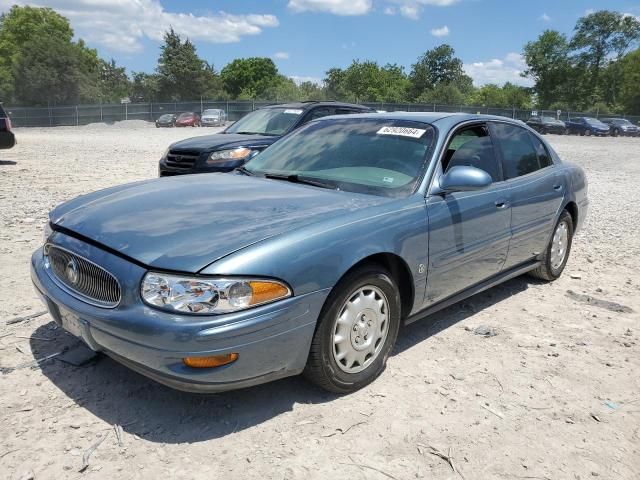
x=513 y=114
x=253 y=104
x=77 y=117
x=151 y=111
x=101 y=118
x=50 y=119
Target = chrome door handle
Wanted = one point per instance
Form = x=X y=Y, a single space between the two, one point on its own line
x=502 y=204
x=557 y=188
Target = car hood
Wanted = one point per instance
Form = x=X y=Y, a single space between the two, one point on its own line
x=215 y=141
x=185 y=223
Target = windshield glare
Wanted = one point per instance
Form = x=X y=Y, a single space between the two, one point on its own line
x=375 y=156
x=267 y=121
x=211 y=112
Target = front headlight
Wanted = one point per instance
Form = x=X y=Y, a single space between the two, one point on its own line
x=47 y=231
x=209 y=296
x=224 y=156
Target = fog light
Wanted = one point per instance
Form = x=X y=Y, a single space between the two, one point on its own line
x=210 y=362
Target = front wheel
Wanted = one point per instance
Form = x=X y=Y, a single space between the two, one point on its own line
x=587 y=133
x=356 y=331
x=556 y=255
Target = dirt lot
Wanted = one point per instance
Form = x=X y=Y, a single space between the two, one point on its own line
x=555 y=395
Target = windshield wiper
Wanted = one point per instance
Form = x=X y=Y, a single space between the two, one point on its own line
x=244 y=171
x=295 y=178
x=257 y=133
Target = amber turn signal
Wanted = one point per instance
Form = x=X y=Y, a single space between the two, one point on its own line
x=210 y=362
x=267 y=291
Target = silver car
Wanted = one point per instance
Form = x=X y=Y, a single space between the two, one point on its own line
x=214 y=117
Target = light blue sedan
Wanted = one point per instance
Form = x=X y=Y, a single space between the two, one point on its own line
x=311 y=257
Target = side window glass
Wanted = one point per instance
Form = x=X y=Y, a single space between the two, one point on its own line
x=472 y=147
x=541 y=150
x=518 y=154
x=319 y=113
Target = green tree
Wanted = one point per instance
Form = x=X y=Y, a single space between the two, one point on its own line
x=182 y=74
x=630 y=83
x=435 y=66
x=249 y=77
x=311 y=91
x=145 y=87
x=334 y=84
x=548 y=65
x=47 y=71
x=598 y=36
x=18 y=28
x=442 y=94
x=114 y=83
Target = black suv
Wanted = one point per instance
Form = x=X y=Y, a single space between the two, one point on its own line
x=546 y=125
x=230 y=149
x=7 y=138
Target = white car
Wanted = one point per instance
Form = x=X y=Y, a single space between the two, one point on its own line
x=213 y=117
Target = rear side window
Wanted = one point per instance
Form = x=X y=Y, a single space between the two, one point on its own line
x=518 y=155
x=319 y=113
x=543 y=154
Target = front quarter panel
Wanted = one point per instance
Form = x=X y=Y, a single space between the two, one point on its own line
x=316 y=257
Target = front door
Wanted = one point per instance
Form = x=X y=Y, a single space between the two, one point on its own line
x=469 y=232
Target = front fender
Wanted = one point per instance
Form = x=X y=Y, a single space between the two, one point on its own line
x=316 y=257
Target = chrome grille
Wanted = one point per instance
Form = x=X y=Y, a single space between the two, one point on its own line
x=84 y=278
x=178 y=159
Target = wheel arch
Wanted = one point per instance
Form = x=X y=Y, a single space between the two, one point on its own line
x=400 y=272
x=572 y=208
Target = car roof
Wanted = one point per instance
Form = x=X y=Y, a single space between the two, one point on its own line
x=442 y=119
x=310 y=104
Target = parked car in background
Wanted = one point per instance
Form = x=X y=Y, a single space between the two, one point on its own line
x=188 y=119
x=621 y=127
x=546 y=125
x=225 y=151
x=213 y=117
x=166 y=120
x=311 y=257
x=586 y=126
x=7 y=137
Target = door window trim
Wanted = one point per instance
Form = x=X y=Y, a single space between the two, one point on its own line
x=437 y=170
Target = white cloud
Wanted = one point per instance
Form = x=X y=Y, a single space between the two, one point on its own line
x=545 y=18
x=390 y=11
x=281 y=55
x=410 y=11
x=337 y=7
x=440 y=32
x=413 y=8
x=301 y=79
x=122 y=24
x=507 y=69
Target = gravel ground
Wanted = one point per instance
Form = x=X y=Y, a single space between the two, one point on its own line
x=555 y=395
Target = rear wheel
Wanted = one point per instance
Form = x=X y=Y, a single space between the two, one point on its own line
x=615 y=132
x=587 y=133
x=567 y=131
x=356 y=331
x=556 y=255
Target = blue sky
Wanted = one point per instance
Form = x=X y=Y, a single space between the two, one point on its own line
x=306 y=37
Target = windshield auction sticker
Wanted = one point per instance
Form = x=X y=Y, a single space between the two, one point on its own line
x=402 y=131
x=293 y=111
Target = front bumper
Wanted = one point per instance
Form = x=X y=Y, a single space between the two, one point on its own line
x=200 y=166
x=272 y=341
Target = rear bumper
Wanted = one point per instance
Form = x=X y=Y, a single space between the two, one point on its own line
x=272 y=341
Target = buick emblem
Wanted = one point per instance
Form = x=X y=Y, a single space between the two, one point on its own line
x=177 y=158
x=72 y=271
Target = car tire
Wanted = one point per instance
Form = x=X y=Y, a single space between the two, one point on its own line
x=375 y=326
x=552 y=266
x=615 y=132
x=587 y=133
x=567 y=131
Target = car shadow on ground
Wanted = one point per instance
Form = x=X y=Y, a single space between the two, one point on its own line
x=7 y=162
x=157 y=413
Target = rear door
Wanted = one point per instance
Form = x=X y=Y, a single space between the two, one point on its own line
x=536 y=190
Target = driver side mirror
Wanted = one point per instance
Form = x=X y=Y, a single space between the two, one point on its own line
x=464 y=178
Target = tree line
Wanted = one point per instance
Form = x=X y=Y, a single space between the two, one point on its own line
x=599 y=67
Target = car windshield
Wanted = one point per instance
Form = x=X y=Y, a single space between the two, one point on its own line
x=594 y=121
x=166 y=116
x=621 y=121
x=374 y=156
x=185 y=115
x=212 y=113
x=267 y=121
x=548 y=119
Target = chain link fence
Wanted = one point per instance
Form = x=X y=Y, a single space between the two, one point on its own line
x=86 y=114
